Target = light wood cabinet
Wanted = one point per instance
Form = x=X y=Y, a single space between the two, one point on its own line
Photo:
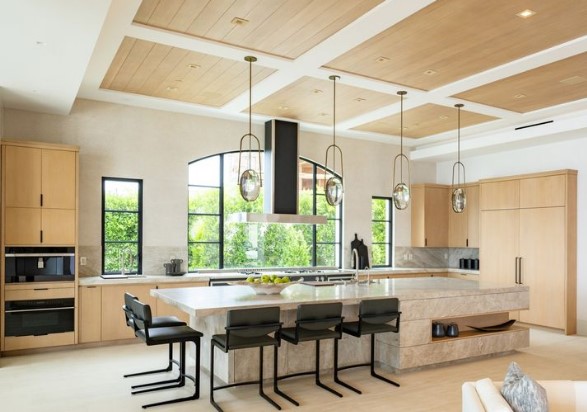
x=430 y=204
x=113 y=321
x=463 y=228
x=90 y=314
x=531 y=239
x=40 y=194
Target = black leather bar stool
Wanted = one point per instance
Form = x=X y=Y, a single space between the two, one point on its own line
x=157 y=322
x=316 y=322
x=374 y=317
x=249 y=328
x=164 y=336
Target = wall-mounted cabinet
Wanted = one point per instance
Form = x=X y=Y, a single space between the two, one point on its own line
x=529 y=236
x=430 y=204
x=40 y=194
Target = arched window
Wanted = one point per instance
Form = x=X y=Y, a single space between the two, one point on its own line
x=215 y=243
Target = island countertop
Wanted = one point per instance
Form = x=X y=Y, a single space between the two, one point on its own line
x=217 y=300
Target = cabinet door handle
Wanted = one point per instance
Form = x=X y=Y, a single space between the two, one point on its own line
x=467 y=243
x=516 y=270
x=41 y=199
x=520 y=270
x=41 y=236
x=425 y=241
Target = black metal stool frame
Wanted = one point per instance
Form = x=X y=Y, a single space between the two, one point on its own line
x=129 y=316
x=168 y=335
x=380 y=318
x=335 y=323
x=270 y=327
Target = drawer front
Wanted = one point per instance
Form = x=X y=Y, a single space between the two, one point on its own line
x=32 y=342
x=39 y=293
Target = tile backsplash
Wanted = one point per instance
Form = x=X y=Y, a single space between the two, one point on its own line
x=427 y=257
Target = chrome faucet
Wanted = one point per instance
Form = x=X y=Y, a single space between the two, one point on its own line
x=122 y=261
x=355 y=253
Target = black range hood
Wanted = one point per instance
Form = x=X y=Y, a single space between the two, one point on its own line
x=280 y=184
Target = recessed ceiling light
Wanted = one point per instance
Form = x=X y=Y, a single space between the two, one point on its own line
x=519 y=96
x=573 y=80
x=405 y=127
x=322 y=114
x=283 y=108
x=359 y=99
x=526 y=13
x=317 y=91
x=40 y=43
x=239 y=21
x=382 y=59
x=171 y=89
x=443 y=117
x=430 y=72
x=194 y=66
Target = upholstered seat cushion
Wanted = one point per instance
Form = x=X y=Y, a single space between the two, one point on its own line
x=289 y=334
x=171 y=334
x=165 y=321
x=352 y=328
x=241 y=342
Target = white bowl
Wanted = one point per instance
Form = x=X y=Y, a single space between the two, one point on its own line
x=265 y=288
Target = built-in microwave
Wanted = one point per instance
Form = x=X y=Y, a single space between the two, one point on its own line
x=39 y=264
x=38 y=317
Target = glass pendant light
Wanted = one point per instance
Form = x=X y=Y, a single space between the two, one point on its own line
x=249 y=181
x=333 y=189
x=401 y=190
x=459 y=196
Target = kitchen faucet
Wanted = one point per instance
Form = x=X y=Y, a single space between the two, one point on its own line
x=355 y=253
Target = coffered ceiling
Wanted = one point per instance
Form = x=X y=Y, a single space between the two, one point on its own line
x=512 y=63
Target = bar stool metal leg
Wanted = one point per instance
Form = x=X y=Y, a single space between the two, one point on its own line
x=267 y=398
x=275 y=380
x=318 y=382
x=373 y=373
x=336 y=379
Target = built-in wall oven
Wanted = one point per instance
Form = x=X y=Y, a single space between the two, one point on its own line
x=37 y=302
x=39 y=264
x=38 y=317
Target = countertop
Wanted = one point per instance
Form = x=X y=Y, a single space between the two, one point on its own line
x=216 y=300
x=206 y=276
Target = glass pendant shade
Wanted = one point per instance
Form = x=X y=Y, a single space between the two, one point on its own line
x=333 y=189
x=459 y=200
x=459 y=195
x=401 y=196
x=250 y=181
x=401 y=190
x=250 y=185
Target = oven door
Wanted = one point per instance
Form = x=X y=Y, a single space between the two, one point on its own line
x=38 y=317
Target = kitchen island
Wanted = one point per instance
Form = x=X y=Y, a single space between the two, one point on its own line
x=422 y=302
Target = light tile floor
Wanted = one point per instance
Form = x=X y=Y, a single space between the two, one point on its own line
x=89 y=380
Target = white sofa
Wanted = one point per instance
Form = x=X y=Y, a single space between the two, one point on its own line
x=563 y=396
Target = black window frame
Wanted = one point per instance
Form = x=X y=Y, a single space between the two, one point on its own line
x=220 y=215
x=389 y=206
x=139 y=241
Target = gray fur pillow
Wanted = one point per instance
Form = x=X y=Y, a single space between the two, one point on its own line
x=522 y=392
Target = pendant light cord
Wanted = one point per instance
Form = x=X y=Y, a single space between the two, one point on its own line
x=334 y=122
x=401 y=134
x=459 y=135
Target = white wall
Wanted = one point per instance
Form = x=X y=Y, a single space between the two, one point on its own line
x=156 y=146
x=569 y=154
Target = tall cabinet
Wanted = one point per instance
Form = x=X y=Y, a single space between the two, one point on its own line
x=529 y=236
x=39 y=212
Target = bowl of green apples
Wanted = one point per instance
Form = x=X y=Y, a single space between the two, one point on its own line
x=267 y=284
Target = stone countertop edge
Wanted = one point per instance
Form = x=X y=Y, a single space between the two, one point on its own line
x=205 y=277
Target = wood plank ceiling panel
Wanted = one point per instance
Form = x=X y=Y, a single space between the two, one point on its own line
x=450 y=40
x=157 y=70
x=285 y=28
x=426 y=120
x=556 y=83
x=311 y=100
